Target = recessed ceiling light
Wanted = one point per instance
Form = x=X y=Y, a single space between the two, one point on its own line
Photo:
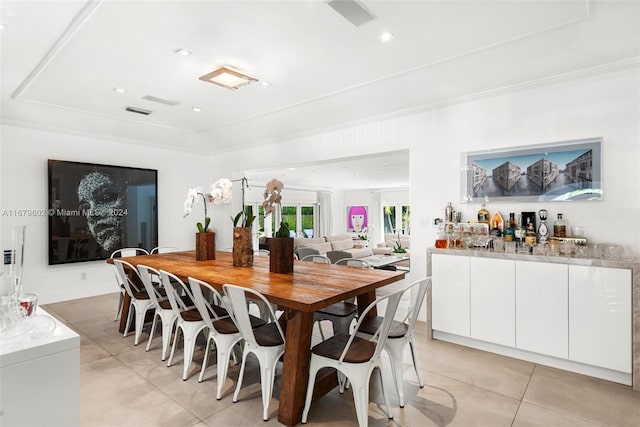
x=119 y=90
x=291 y=169
x=386 y=37
x=183 y=52
x=2 y=26
x=228 y=77
x=196 y=109
x=265 y=83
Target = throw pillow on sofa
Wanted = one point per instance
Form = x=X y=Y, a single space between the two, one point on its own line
x=341 y=245
x=323 y=248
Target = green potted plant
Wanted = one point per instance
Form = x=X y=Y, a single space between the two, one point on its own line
x=281 y=245
x=398 y=249
x=205 y=239
x=242 y=239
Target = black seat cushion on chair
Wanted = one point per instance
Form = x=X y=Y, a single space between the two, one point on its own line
x=192 y=315
x=361 y=349
x=268 y=335
x=341 y=309
x=165 y=304
x=219 y=311
x=226 y=325
x=140 y=295
x=371 y=325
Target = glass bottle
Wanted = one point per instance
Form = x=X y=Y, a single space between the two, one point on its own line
x=560 y=227
x=530 y=237
x=483 y=215
x=519 y=233
x=441 y=240
x=495 y=230
x=510 y=231
x=543 y=230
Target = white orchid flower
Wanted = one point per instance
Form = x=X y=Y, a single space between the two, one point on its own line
x=220 y=193
x=192 y=198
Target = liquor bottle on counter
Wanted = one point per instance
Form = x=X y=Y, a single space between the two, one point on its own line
x=530 y=237
x=510 y=231
x=483 y=215
x=441 y=240
x=543 y=230
x=560 y=227
x=519 y=233
x=495 y=229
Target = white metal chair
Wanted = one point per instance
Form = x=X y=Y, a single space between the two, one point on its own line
x=355 y=358
x=222 y=330
x=401 y=335
x=164 y=249
x=124 y=252
x=316 y=258
x=341 y=314
x=140 y=300
x=163 y=309
x=189 y=320
x=265 y=342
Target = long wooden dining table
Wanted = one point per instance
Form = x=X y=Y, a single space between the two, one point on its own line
x=310 y=287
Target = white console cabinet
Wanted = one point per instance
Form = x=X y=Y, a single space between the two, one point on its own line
x=600 y=317
x=570 y=313
x=492 y=299
x=542 y=308
x=450 y=287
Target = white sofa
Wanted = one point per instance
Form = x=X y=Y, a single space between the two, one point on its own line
x=340 y=242
x=390 y=240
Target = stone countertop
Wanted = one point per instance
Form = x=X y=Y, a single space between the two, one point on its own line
x=633 y=264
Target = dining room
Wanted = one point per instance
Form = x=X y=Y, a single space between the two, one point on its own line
x=129 y=88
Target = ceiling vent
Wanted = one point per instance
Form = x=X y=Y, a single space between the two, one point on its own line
x=352 y=10
x=138 y=110
x=161 y=100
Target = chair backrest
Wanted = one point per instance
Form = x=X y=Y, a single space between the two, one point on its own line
x=147 y=275
x=262 y=252
x=317 y=258
x=164 y=249
x=204 y=307
x=125 y=252
x=304 y=251
x=336 y=256
x=175 y=289
x=392 y=299
x=123 y=269
x=353 y=262
x=418 y=291
x=237 y=299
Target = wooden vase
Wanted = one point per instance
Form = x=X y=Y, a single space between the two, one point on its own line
x=281 y=255
x=242 y=247
x=205 y=246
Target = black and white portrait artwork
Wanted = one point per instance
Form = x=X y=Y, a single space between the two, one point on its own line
x=96 y=209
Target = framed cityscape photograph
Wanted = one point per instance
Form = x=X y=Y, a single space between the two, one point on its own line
x=562 y=171
x=95 y=209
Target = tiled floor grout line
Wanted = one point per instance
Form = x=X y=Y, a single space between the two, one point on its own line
x=524 y=392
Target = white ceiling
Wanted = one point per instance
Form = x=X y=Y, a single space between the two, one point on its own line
x=61 y=60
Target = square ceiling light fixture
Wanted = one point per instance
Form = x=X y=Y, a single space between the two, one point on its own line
x=228 y=77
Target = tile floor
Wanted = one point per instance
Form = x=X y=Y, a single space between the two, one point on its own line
x=123 y=385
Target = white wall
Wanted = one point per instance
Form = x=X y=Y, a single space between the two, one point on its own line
x=23 y=184
x=604 y=105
